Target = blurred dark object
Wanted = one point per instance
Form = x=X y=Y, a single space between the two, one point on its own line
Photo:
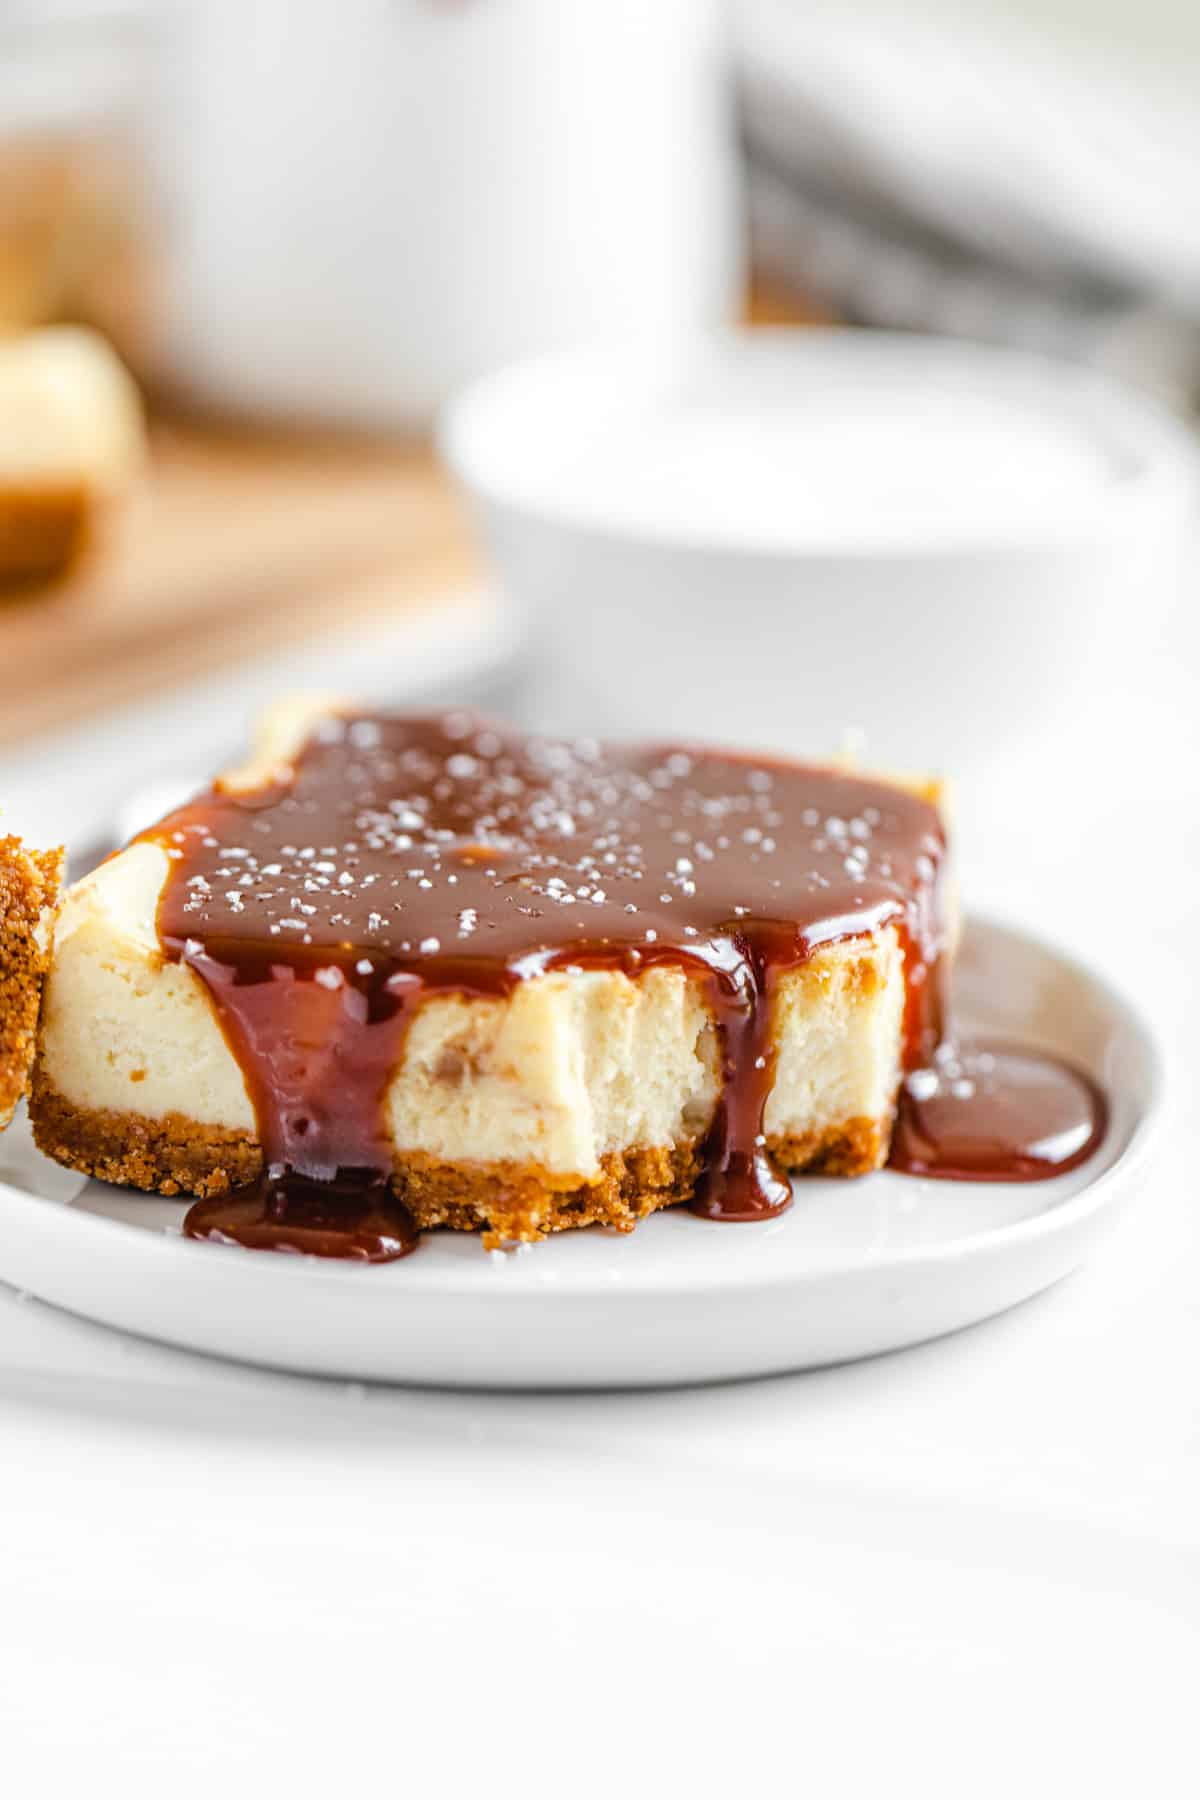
x=782 y=302
x=917 y=171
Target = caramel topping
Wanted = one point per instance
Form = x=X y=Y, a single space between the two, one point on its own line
x=984 y=1112
x=407 y=856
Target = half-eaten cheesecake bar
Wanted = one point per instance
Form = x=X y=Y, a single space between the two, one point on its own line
x=404 y=972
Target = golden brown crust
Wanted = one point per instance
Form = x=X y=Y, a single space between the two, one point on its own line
x=172 y=1155
x=507 y=1203
x=520 y=1205
x=29 y=883
x=854 y=1147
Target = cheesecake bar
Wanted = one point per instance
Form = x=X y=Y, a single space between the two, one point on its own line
x=493 y=982
x=72 y=442
x=29 y=882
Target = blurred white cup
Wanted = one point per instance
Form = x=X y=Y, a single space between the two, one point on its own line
x=365 y=204
x=785 y=537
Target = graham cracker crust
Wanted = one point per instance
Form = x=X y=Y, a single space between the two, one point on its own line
x=172 y=1155
x=29 y=883
x=855 y=1147
x=508 y=1203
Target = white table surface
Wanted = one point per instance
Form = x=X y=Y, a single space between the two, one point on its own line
x=957 y=1569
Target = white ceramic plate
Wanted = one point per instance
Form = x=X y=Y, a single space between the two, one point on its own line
x=855 y=1267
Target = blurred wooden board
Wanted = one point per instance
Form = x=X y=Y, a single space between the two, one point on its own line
x=244 y=542
x=240 y=544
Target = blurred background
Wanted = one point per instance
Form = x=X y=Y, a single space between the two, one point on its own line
x=250 y=252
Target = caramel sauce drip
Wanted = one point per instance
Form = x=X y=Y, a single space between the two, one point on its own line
x=984 y=1112
x=411 y=856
